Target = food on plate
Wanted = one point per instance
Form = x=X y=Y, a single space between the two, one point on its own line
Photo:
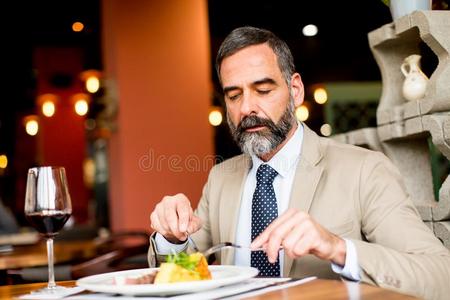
x=143 y=278
x=179 y=267
x=183 y=267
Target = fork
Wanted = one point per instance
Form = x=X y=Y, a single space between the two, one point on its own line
x=192 y=243
x=217 y=247
x=224 y=245
x=212 y=249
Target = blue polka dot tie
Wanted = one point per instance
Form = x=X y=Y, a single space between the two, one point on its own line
x=264 y=211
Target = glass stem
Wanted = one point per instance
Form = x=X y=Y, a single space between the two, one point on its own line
x=51 y=273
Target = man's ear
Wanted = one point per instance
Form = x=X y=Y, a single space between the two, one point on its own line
x=297 y=89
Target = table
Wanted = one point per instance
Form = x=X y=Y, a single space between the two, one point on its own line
x=316 y=289
x=36 y=255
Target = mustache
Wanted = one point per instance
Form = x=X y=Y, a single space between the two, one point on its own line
x=254 y=121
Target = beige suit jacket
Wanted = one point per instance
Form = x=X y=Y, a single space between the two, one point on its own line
x=355 y=193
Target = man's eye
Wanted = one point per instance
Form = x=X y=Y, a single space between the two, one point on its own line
x=264 y=92
x=233 y=97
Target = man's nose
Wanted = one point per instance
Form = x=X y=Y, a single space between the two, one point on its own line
x=248 y=105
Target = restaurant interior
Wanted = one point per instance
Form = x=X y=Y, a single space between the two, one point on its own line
x=124 y=96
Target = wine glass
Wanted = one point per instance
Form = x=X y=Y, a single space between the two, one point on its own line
x=47 y=208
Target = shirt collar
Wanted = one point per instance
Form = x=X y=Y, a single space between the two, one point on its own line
x=287 y=157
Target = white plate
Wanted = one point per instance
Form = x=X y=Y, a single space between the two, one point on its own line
x=221 y=276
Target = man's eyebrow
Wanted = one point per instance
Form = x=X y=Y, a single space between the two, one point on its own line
x=230 y=88
x=264 y=81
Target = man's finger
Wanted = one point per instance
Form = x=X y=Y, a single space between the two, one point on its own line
x=194 y=225
x=156 y=224
x=264 y=236
x=159 y=210
x=171 y=217
x=278 y=234
x=184 y=212
x=302 y=247
x=291 y=240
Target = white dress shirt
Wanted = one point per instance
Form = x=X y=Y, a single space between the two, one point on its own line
x=285 y=163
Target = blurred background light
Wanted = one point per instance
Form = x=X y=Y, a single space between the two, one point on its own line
x=215 y=117
x=77 y=26
x=81 y=107
x=89 y=172
x=310 y=30
x=92 y=84
x=90 y=124
x=48 y=108
x=302 y=113
x=31 y=125
x=320 y=95
x=3 y=161
x=91 y=79
x=47 y=104
x=81 y=103
x=326 y=129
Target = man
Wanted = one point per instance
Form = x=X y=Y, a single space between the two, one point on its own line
x=315 y=206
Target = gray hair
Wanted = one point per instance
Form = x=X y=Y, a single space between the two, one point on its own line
x=246 y=36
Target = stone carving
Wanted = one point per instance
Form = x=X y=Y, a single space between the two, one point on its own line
x=403 y=127
x=416 y=81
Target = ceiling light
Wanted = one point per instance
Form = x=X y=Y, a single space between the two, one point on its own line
x=77 y=26
x=3 y=161
x=310 y=30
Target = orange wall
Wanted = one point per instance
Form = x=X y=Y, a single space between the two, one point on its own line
x=157 y=52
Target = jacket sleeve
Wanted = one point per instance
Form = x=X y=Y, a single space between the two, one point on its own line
x=203 y=237
x=401 y=252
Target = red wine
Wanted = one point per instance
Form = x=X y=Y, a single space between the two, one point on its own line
x=48 y=223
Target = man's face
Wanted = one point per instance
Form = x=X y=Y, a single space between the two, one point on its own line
x=260 y=108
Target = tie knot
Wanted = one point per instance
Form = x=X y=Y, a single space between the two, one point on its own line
x=265 y=174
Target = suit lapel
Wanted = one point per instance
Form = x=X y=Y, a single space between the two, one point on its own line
x=230 y=204
x=306 y=178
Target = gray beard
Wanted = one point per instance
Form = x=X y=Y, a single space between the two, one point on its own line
x=262 y=142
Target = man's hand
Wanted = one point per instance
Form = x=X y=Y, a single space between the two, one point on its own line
x=300 y=235
x=174 y=218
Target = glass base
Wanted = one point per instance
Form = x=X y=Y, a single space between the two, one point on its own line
x=56 y=290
